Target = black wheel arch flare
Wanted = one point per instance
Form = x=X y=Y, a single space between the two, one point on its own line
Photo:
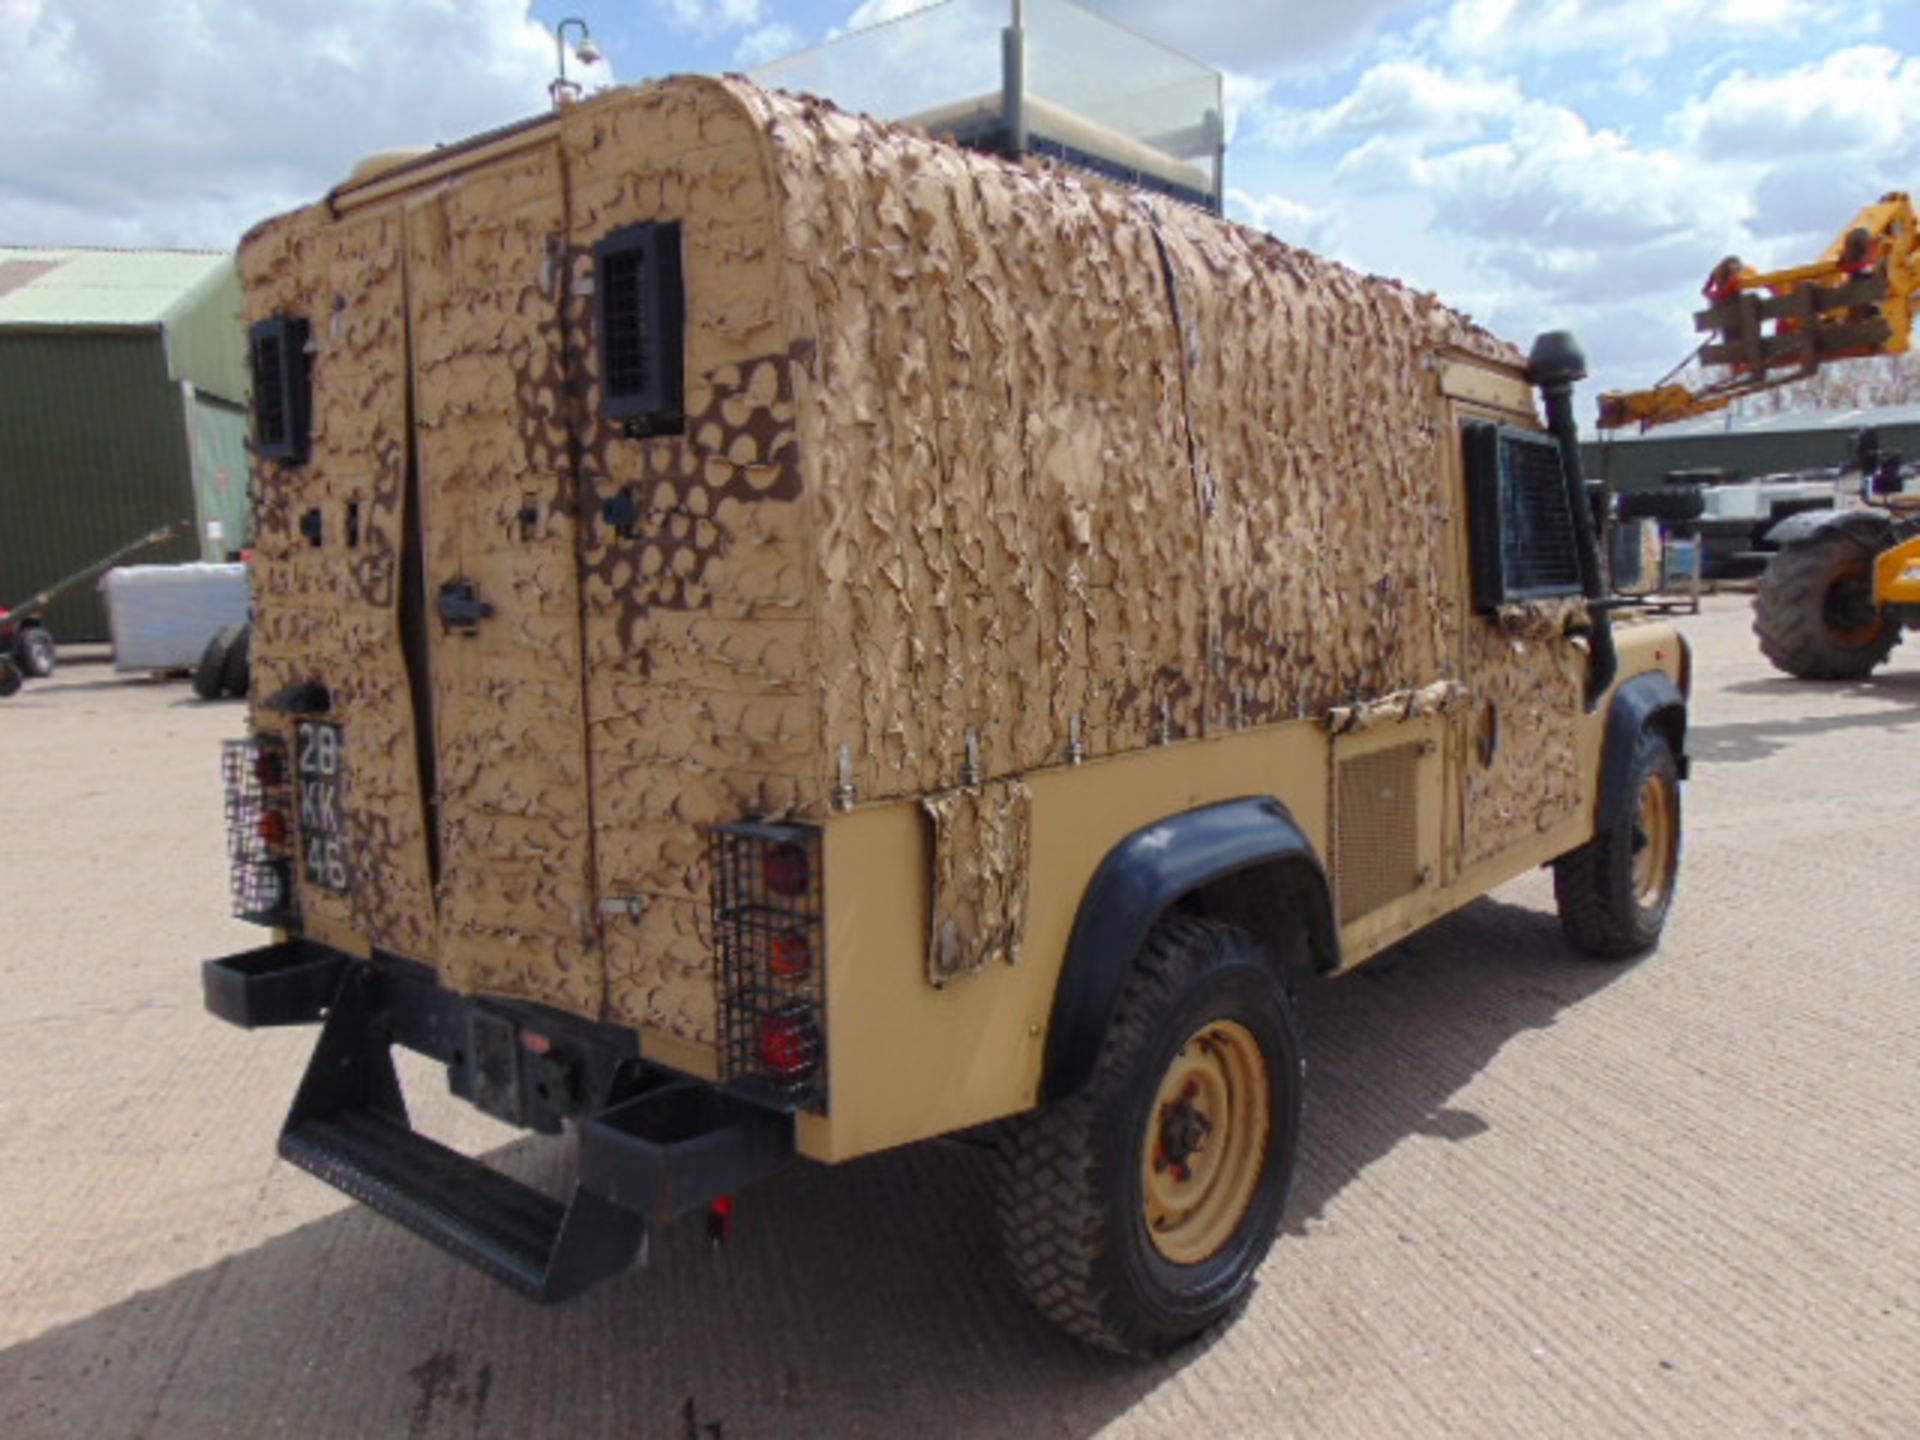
x=1652 y=699
x=1225 y=856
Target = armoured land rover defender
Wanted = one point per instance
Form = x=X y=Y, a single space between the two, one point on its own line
x=778 y=636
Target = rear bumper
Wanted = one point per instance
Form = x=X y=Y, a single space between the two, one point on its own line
x=653 y=1145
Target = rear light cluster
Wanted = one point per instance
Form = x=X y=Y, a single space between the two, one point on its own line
x=770 y=933
x=259 y=785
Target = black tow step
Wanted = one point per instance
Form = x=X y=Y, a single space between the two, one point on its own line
x=530 y=1241
x=349 y=1127
x=656 y=1146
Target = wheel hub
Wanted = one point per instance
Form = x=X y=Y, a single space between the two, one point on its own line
x=1205 y=1143
x=1183 y=1130
x=1851 y=617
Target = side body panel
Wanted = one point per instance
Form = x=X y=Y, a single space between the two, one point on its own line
x=912 y=1060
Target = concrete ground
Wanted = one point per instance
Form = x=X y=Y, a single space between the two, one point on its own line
x=1537 y=1196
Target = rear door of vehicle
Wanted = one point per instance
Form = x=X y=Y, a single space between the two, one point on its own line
x=500 y=591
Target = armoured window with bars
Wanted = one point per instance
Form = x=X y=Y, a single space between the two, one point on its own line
x=641 y=321
x=282 y=388
x=1524 y=543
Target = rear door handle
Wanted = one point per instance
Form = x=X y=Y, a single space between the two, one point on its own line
x=461 y=608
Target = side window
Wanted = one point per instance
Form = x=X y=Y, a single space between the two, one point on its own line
x=641 y=324
x=282 y=388
x=1520 y=516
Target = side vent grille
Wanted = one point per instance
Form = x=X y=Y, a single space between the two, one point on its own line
x=1524 y=543
x=1376 y=829
x=770 y=937
x=282 y=388
x=641 y=318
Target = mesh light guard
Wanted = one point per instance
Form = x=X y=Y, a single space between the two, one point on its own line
x=258 y=778
x=750 y=919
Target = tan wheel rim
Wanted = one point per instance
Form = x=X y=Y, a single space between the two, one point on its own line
x=1206 y=1143
x=1654 y=846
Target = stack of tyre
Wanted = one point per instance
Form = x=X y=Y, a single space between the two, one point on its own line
x=224 y=667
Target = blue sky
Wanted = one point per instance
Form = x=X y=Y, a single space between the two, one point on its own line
x=1537 y=162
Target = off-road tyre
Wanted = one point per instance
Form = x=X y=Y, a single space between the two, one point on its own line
x=209 y=676
x=236 y=670
x=10 y=680
x=1813 y=608
x=34 y=652
x=1661 y=502
x=1073 y=1188
x=1614 y=892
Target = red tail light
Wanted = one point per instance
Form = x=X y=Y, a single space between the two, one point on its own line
x=259 y=829
x=789 y=1047
x=790 y=956
x=770 y=943
x=787 y=870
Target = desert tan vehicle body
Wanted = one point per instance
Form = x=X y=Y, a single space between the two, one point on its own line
x=1003 y=515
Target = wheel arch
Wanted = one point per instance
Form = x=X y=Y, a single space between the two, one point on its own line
x=1649 y=700
x=1244 y=861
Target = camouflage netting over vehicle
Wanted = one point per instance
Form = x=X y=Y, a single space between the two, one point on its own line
x=981 y=463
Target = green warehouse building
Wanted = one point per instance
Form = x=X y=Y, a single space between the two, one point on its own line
x=123 y=389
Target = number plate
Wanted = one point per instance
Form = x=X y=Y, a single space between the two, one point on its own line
x=323 y=831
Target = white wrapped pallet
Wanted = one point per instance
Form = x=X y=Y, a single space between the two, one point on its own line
x=162 y=616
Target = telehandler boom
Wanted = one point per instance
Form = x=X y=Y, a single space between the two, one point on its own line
x=1773 y=328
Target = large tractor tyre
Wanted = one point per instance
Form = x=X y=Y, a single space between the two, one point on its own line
x=34 y=652
x=1135 y=1212
x=236 y=671
x=1614 y=892
x=1661 y=502
x=1813 y=609
x=9 y=678
x=209 y=676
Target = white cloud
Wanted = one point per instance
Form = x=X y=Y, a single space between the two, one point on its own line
x=1496 y=30
x=1861 y=103
x=1286 y=219
x=1407 y=103
x=184 y=121
x=1246 y=98
x=768 y=42
x=1554 y=181
x=712 y=17
x=876 y=12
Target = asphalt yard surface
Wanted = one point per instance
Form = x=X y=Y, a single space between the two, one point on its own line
x=1537 y=1197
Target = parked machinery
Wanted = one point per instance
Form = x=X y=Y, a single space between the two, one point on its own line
x=1845 y=582
x=26 y=645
